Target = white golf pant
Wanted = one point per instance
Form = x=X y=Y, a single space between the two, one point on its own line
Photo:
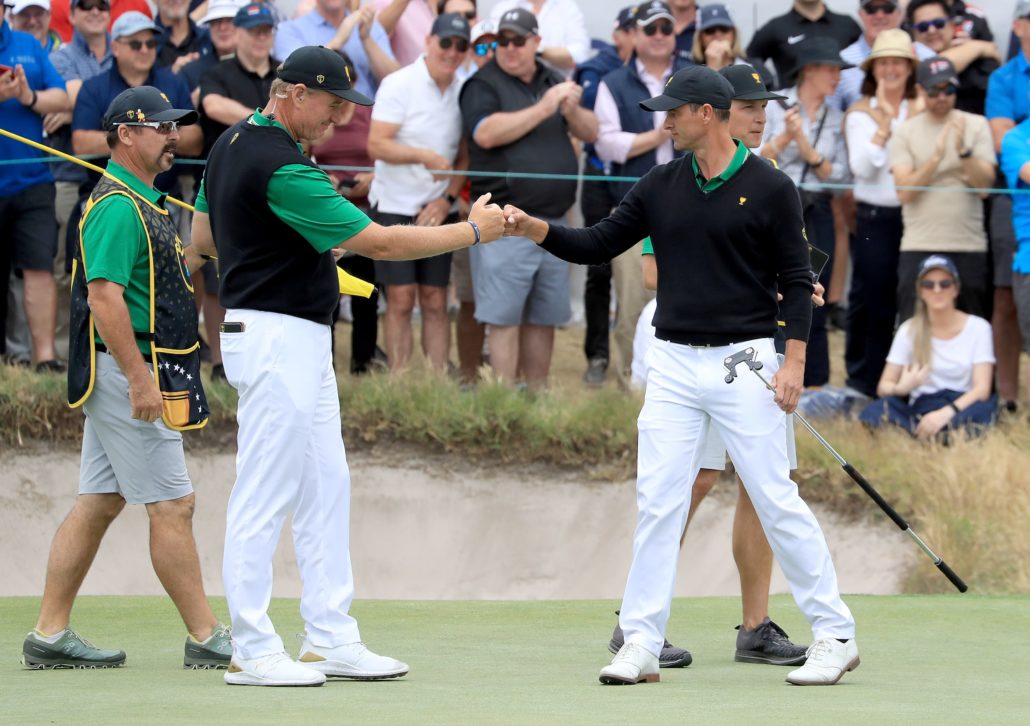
x=290 y=459
x=687 y=393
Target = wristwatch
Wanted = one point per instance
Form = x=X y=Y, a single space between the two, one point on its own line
x=451 y=199
x=965 y=154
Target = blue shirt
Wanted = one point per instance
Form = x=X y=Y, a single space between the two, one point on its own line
x=1008 y=91
x=21 y=48
x=1015 y=152
x=313 y=29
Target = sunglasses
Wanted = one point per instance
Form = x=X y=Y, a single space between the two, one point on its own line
x=717 y=29
x=664 y=28
x=519 y=41
x=936 y=284
x=86 y=7
x=885 y=8
x=137 y=45
x=162 y=127
x=460 y=44
x=481 y=49
x=949 y=90
x=470 y=15
x=924 y=26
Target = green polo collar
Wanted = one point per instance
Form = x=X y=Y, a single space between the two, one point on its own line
x=259 y=119
x=126 y=177
x=710 y=185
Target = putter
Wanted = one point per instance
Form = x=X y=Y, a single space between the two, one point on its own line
x=748 y=356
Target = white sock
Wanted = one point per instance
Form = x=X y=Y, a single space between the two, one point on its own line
x=50 y=638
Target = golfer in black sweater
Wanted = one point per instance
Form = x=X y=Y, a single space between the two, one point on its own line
x=727 y=232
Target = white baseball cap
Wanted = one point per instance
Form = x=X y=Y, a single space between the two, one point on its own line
x=221 y=9
x=18 y=5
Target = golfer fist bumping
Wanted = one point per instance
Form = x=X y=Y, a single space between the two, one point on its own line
x=488 y=218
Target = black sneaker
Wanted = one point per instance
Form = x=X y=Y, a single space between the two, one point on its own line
x=670 y=657
x=769 y=644
x=597 y=371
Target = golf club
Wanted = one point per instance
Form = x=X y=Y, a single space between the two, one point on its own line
x=748 y=356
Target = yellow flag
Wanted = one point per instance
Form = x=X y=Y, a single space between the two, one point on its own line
x=350 y=285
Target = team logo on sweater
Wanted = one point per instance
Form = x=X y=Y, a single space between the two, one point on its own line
x=743 y=201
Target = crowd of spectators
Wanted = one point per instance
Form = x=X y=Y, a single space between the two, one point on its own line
x=896 y=122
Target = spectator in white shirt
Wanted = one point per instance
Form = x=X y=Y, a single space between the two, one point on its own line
x=564 y=40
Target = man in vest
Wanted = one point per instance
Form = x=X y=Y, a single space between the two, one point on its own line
x=132 y=315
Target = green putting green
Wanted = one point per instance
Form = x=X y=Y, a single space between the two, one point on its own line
x=925 y=659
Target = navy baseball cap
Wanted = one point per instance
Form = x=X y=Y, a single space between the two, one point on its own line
x=253 y=15
x=626 y=18
x=321 y=69
x=714 y=16
x=694 y=84
x=747 y=84
x=451 y=25
x=143 y=104
x=938 y=262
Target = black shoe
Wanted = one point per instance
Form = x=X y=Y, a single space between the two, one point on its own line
x=597 y=371
x=836 y=316
x=769 y=644
x=670 y=657
x=218 y=372
x=51 y=366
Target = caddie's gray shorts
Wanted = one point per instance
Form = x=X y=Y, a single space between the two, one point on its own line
x=1021 y=294
x=143 y=462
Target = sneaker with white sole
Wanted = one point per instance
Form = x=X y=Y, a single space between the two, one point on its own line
x=351 y=660
x=828 y=660
x=632 y=664
x=277 y=669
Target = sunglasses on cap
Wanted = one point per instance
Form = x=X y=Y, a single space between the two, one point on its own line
x=87 y=6
x=945 y=284
x=924 y=26
x=162 y=127
x=519 y=41
x=885 y=8
x=470 y=15
x=949 y=90
x=137 y=45
x=459 y=44
x=664 y=27
x=481 y=49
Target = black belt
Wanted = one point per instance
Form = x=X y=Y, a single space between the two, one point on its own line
x=695 y=342
x=101 y=348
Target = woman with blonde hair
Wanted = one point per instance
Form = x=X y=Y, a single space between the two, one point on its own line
x=940 y=367
x=889 y=96
x=717 y=43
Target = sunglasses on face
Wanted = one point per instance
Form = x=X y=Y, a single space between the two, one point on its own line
x=519 y=41
x=137 y=45
x=162 y=127
x=924 y=26
x=86 y=7
x=946 y=284
x=949 y=90
x=664 y=28
x=481 y=49
x=460 y=44
x=885 y=8
x=717 y=30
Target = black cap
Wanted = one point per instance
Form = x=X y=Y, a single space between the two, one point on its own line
x=321 y=69
x=648 y=13
x=143 y=104
x=819 y=51
x=694 y=84
x=451 y=25
x=626 y=18
x=936 y=70
x=747 y=84
x=519 y=21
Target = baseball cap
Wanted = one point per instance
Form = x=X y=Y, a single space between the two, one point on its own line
x=714 y=16
x=648 y=13
x=131 y=22
x=936 y=70
x=253 y=15
x=75 y=3
x=1022 y=9
x=626 y=17
x=820 y=51
x=747 y=84
x=938 y=262
x=451 y=25
x=145 y=103
x=18 y=5
x=695 y=84
x=482 y=29
x=519 y=21
x=220 y=10
x=321 y=69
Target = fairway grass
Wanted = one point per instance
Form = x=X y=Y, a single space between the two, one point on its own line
x=925 y=659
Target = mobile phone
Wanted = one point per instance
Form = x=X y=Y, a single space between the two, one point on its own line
x=818 y=260
x=228 y=327
x=785 y=104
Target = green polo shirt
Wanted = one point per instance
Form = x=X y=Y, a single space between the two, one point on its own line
x=305 y=199
x=114 y=244
x=710 y=185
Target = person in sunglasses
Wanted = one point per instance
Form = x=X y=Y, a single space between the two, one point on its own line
x=564 y=40
x=931 y=24
x=484 y=45
x=416 y=131
x=948 y=150
x=940 y=368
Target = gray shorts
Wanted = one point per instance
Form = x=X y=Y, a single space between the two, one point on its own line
x=143 y=462
x=517 y=282
x=1021 y=294
x=1002 y=239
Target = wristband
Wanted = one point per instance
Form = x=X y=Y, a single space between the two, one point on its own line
x=475 y=228
x=954 y=408
x=35 y=97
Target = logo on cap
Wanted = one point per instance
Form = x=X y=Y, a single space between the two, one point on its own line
x=939 y=66
x=164 y=97
x=758 y=78
x=511 y=15
x=346 y=69
x=456 y=23
x=743 y=201
x=320 y=78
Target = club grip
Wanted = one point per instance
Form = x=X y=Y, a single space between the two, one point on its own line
x=950 y=574
x=875 y=496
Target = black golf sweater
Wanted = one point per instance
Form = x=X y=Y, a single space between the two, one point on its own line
x=721 y=255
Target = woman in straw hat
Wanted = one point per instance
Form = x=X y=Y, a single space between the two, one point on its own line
x=889 y=96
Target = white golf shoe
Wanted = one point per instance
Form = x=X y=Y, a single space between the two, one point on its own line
x=277 y=669
x=632 y=664
x=352 y=660
x=828 y=660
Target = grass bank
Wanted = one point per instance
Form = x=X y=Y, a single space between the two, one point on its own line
x=970 y=501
